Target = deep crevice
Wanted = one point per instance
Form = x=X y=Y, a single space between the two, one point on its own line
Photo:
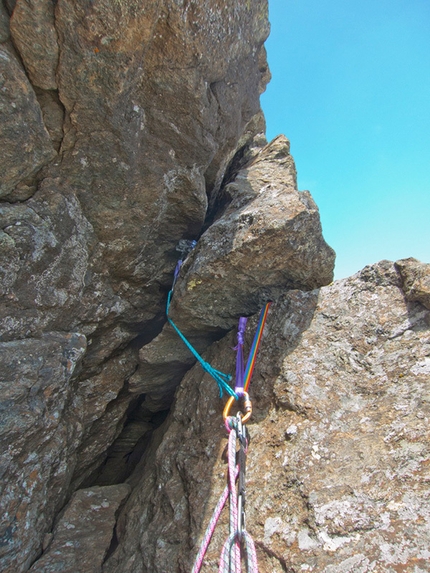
x=219 y=202
x=147 y=332
x=128 y=449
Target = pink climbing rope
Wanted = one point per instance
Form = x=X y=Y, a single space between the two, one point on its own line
x=239 y=538
x=231 y=554
x=210 y=530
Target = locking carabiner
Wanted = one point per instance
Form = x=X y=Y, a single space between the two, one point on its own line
x=247 y=406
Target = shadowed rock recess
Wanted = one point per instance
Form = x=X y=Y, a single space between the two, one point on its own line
x=127 y=126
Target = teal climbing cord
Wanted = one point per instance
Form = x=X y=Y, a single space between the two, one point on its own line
x=220 y=378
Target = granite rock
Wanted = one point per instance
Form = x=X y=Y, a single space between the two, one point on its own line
x=126 y=128
x=83 y=535
x=150 y=108
x=266 y=238
x=337 y=472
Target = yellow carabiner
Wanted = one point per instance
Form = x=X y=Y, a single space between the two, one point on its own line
x=247 y=406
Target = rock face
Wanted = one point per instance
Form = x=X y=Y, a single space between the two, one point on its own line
x=266 y=239
x=26 y=146
x=126 y=127
x=337 y=474
x=38 y=435
x=33 y=30
x=119 y=121
x=83 y=535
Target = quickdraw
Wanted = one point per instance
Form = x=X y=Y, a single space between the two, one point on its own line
x=231 y=553
x=239 y=538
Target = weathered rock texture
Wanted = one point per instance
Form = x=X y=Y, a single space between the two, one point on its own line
x=338 y=465
x=119 y=120
x=416 y=280
x=267 y=239
x=26 y=146
x=125 y=127
x=39 y=435
x=82 y=537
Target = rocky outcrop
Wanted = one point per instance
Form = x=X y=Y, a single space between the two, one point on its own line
x=266 y=239
x=337 y=469
x=416 y=280
x=118 y=124
x=127 y=126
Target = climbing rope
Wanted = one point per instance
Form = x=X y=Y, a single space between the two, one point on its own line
x=230 y=561
x=220 y=378
x=238 y=543
x=231 y=553
x=239 y=539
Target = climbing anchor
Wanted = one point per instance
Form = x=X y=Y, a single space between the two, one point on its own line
x=239 y=542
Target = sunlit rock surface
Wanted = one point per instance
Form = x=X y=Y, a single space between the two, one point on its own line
x=416 y=280
x=267 y=238
x=338 y=464
x=126 y=127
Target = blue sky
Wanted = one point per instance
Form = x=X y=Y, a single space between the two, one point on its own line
x=351 y=90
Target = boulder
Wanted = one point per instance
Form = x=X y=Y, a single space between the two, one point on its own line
x=266 y=239
x=416 y=280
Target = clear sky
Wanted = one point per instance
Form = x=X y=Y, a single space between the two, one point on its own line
x=351 y=90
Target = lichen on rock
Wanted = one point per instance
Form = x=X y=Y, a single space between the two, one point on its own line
x=126 y=127
x=338 y=460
